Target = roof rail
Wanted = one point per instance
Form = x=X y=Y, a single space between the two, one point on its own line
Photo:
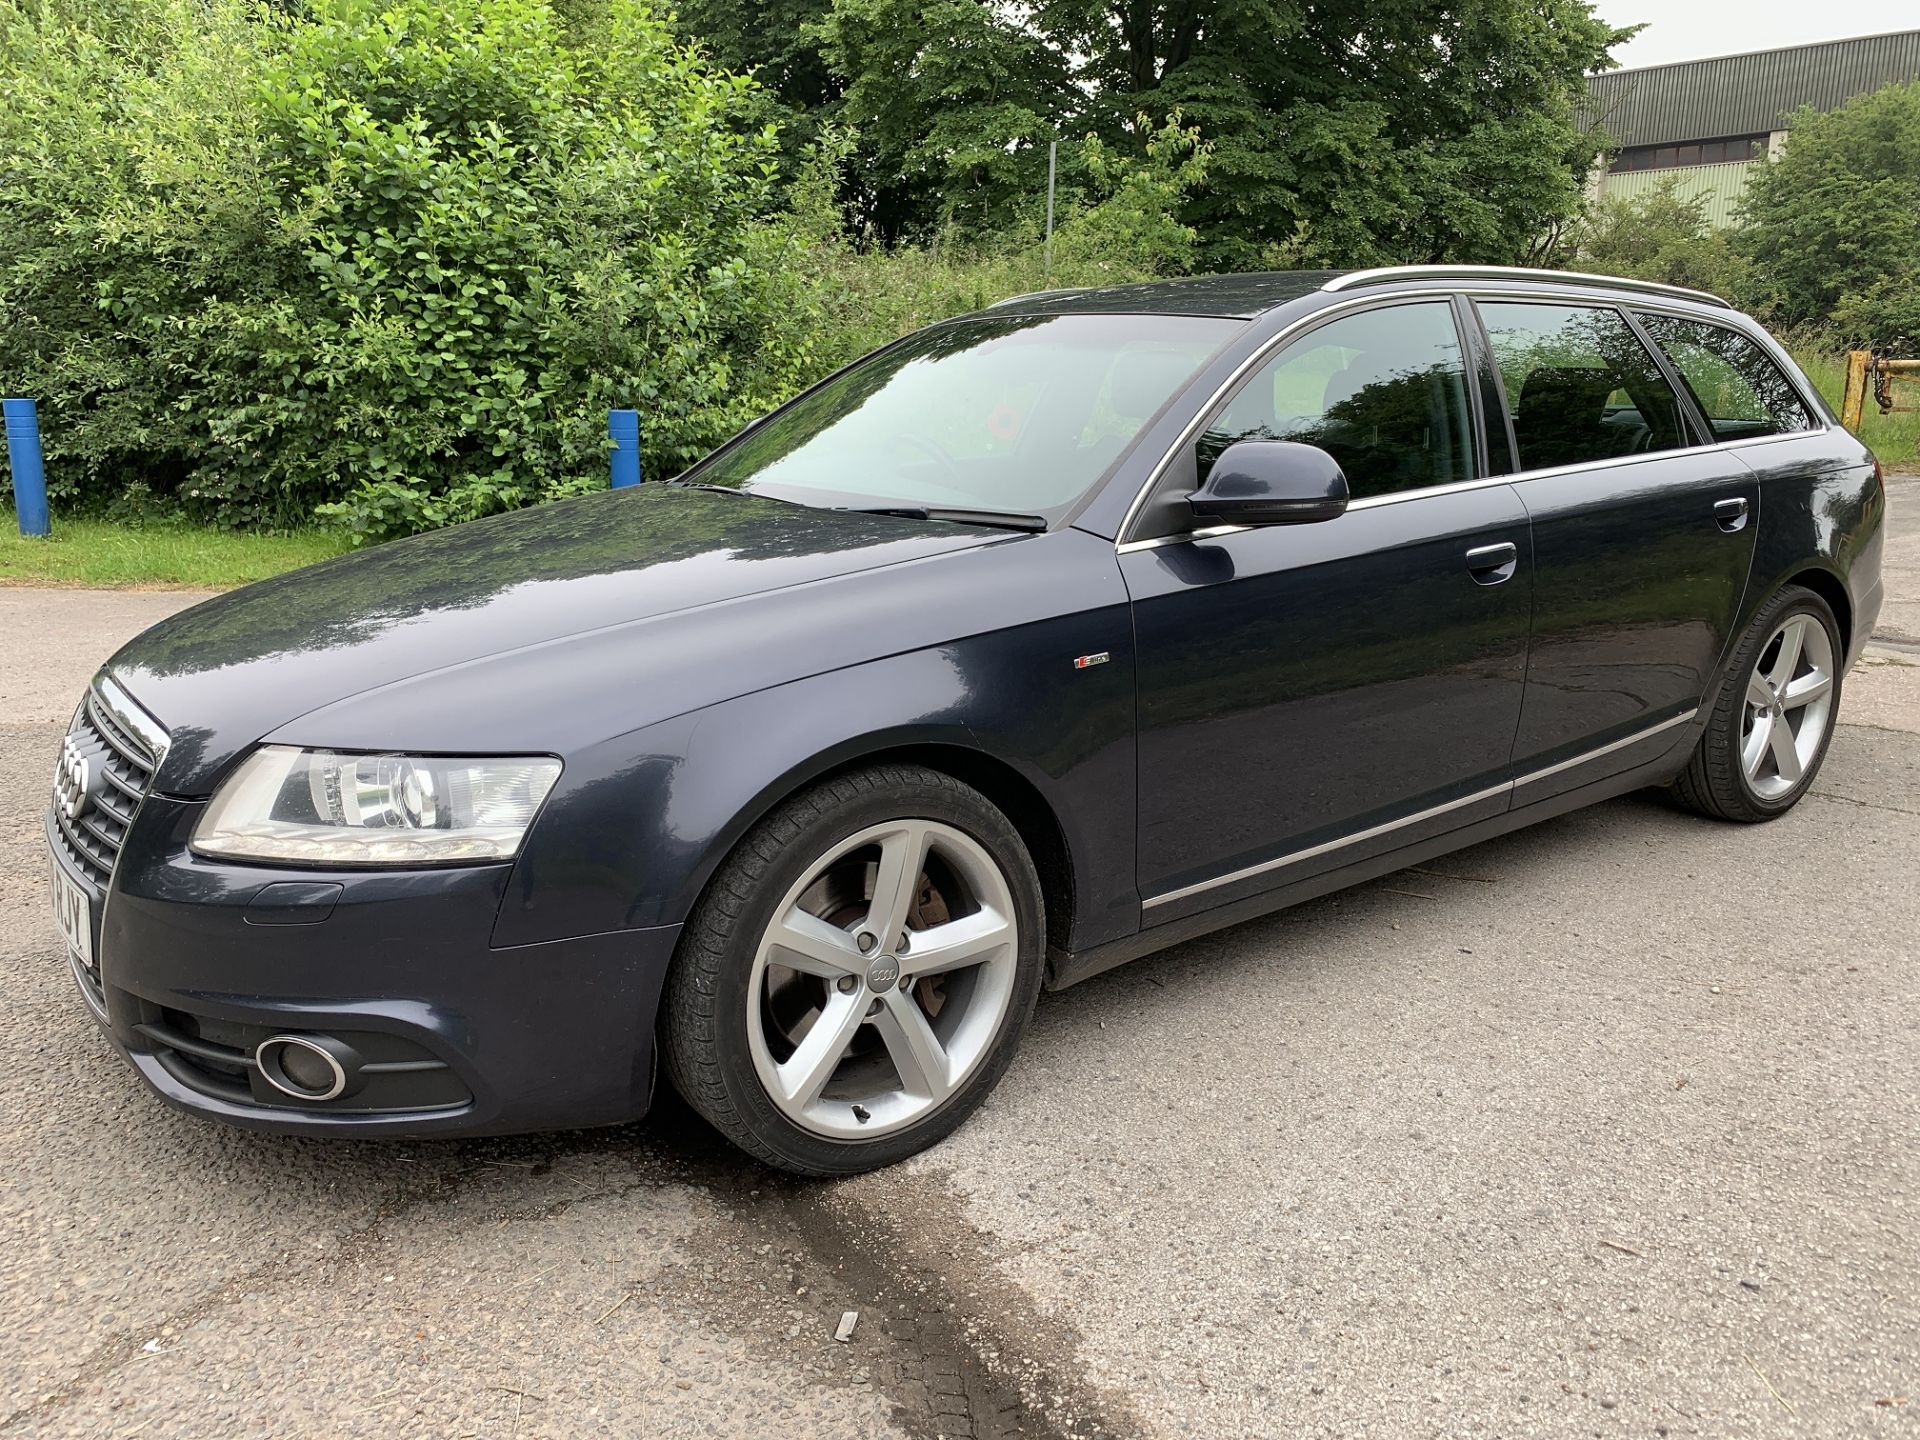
x=1354 y=279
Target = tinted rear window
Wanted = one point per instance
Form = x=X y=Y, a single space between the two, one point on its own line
x=1736 y=384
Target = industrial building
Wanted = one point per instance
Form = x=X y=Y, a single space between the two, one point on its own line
x=1706 y=123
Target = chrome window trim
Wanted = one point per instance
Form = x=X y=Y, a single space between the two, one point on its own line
x=1187 y=436
x=1766 y=342
x=1385 y=274
x=1425 y=492
x=1387 y=828
x=1212 y=532
x=1485 y=482
x=1788 y=367
x=1240 y=372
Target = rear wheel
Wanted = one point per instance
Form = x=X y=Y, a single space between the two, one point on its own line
x=1771 y=723
x=859 y=972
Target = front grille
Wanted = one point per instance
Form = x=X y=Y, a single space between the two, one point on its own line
x=94 y=815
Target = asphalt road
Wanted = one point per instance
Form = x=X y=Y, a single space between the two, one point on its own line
x=1611 y=1127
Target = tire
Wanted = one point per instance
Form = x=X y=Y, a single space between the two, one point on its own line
x=783 y=966
x=1722 y=779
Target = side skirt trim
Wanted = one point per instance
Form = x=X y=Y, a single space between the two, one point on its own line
x=1359 y=837
x=1070 y=967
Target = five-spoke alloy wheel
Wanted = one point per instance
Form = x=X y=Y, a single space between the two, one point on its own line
x=858 y=974
x=1769 y=726
x=1789 y=706
x=882 y=979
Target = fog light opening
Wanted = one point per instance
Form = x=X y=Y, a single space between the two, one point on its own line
x=302 y=1067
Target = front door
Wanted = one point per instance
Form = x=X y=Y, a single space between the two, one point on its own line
x=1312 y=694
x=1642 y=543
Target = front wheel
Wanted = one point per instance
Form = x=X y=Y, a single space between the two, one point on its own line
x=1771 y=723
x=859 y=972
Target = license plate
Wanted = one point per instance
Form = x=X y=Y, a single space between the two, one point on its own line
x=73 y=913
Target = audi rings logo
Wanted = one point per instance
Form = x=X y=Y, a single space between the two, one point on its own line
x=73 y=779
x=882 y=973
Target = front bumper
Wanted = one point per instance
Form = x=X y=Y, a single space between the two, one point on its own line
x=198 y=961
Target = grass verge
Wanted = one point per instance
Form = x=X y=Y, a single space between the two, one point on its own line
x=1894 y=438
x=101 y=553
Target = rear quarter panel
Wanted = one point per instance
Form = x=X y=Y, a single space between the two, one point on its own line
x=1820 y=509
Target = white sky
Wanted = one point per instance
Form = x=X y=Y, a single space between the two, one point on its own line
x=1695 y=29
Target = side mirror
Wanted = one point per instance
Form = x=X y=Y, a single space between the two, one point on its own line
x=1271 y=482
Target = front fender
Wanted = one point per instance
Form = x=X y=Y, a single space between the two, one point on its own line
x=642 y=822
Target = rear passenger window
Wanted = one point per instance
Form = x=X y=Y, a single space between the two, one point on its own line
x=1580 y=385
x=1384 y=392
x=1739 y=389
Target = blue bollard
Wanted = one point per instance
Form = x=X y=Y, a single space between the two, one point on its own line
x=624 y=427
x=29 y=470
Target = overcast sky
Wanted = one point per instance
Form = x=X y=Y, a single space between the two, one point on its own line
x=1695 y=29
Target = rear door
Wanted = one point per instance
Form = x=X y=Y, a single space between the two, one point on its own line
x=1643 y=538
x=1312 y=694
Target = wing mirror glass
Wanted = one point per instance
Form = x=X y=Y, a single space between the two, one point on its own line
x=1271 y=482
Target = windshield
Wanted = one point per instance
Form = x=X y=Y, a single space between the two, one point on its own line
x=1018 y=414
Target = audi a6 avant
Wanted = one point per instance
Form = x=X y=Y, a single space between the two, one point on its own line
x=1039 y=640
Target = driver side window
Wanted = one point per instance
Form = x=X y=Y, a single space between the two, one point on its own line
x=1384 y=392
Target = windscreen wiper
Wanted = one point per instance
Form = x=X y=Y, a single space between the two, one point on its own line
x=996 y=519
x=696 y=485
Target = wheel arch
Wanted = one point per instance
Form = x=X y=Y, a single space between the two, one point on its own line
x=1013 y=793
x=1830 y=588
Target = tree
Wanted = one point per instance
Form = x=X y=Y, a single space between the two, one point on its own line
x=1343 y=131
x=1660 y=235
x=774 y=41
x=1833 y=225
x=954 y=104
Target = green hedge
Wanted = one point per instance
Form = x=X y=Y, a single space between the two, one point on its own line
x=390 y=262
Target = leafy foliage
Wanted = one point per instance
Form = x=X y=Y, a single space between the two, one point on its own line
x=391 y=262
x=1119 y=225
x=1659 y=235
x=794 y=87
x=1342 y=133
x=1833 y=225
x=955 y=105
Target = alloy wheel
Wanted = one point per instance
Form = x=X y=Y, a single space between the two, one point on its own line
x=883 y=978
x=1789 y=706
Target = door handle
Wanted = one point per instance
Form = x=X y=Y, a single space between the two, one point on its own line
x=1492 y=564
x=1731 y=515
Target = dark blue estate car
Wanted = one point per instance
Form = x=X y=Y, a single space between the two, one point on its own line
x=1039 y=640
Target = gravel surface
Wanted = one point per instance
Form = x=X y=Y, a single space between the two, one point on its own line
x=1608 y=1127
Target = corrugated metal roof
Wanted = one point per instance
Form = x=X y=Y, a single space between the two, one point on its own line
x=1745 y=94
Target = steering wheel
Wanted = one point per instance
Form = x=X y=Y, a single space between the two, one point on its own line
x=932 y=451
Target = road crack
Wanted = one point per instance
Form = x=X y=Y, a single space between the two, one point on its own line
x=1861 y=804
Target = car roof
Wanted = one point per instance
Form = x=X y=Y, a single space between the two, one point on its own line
x=1239 y=297
x=1243 y=297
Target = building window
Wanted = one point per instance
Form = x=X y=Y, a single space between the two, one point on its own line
x=1737 y=149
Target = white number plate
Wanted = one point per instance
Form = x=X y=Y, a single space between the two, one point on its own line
x=73 y=913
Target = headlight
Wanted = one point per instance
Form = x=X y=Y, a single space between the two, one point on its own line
x=319 y=807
